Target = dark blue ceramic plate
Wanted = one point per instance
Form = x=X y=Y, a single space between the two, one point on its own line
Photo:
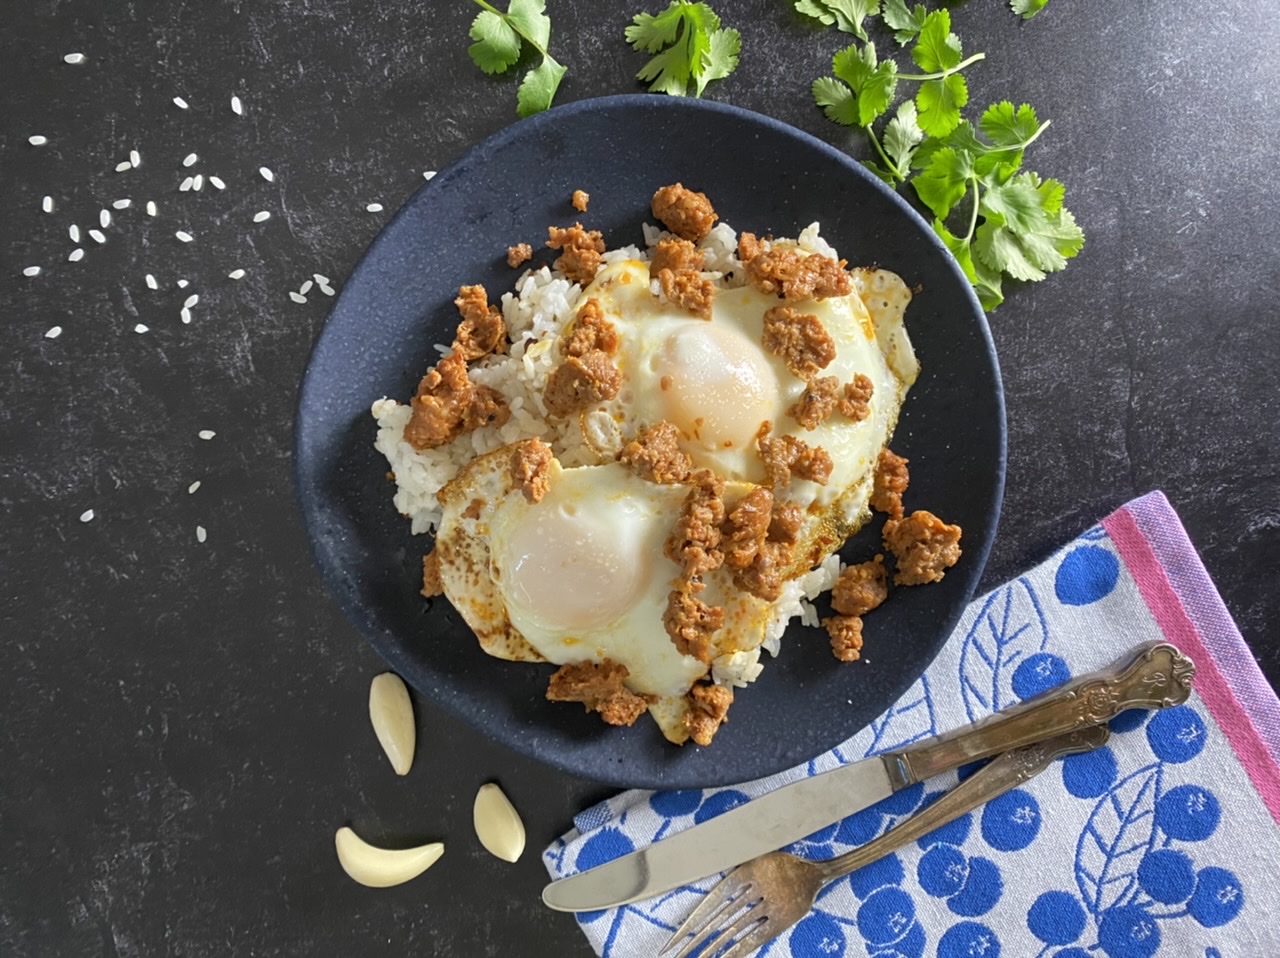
x=762 y=176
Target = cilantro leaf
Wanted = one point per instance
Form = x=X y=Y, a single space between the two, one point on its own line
x=538 y=88
x=1027 y=8
x=1006 y=127
x=944 y=182
x=499 y=38
x=1016 y=203
x=847 y=15
x=902 y=136
x=905 y=23
x=1030 y=237
x=697 y=49
x=940 y=102
x=497 y=45
x=837 y=101
x=937 y=49
x=873 y=82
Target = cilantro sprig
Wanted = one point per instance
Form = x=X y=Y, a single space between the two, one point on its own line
x=499 y=38
x=996 y=220
x=846 y=15
x=697 y=49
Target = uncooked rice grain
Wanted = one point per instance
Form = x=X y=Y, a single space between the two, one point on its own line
x=183 y=284
x=305 y=287
x=47 y=204
x=53 y=332
x=185 y=316
x=206 y=434
x=266 y=174
x=187 y=184
x=200 y=534
x=31 y=271
x=190 y=159
x=77 y=254
x=192 y=300
x=86 y=516
x=235 y=274
x=37 y=140
x=104 y=217
x=135 y=158
x=236 y=106
x=428 y=174
x=216 y=183
x=184 y=236
x=151 y=281
x=122 y=204
x=98 y=236
x=326 y=289
x=151 y=208
x=121 y=167
x=193 y=487
x=261 y=216
x=180 y=103
x=199 y=182
x=297 y=297
x=140 y=328
x=322 y=280
x=74 y=232
x=374 y=207
x=73 y=58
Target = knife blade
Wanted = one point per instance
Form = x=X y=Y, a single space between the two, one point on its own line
x=1152 y=675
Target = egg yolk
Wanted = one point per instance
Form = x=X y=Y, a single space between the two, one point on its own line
x=573 y=571
x=716 y=385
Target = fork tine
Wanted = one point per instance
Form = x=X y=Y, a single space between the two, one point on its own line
x=745 y=920
x=765 y=932
x=723 y=893
x=711 y=924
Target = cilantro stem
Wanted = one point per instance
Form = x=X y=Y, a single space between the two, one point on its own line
x=973 y=218
x=508 y=21
x=892 y=167
x=942 y=75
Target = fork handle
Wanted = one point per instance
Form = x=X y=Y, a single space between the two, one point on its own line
x=1149 y=676
x=999 y=776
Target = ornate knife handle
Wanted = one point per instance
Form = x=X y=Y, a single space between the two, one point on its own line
x=1004 y=773
x=1152 y=676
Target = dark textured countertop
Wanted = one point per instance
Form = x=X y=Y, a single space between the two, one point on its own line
x=184 y=723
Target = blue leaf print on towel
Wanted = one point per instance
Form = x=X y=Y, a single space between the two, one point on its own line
x=909 y=720
x=1009 y=628
x=1119 y=833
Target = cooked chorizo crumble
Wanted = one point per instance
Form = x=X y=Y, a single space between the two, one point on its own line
x=654 y=454
x=687 y=289
x=891 y=479
x=861 y=588
x=791 y=274
x=600 y=688
x=531 y=468
x=708 y=710
x=580 y=200
x=590 y=330
x=845 y=632
x=924 y=546
x=519 y=254
x=581 y=252
x=687 y=214
x=431 y=584
x=799 y=339
x=581 y=382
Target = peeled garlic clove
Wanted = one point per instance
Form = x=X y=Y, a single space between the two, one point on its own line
x=382 y=867
x=391 y=713
x=498 y=825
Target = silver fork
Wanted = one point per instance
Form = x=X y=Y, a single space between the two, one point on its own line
x=762 y=898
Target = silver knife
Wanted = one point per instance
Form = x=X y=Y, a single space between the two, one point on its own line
x=1153 y=675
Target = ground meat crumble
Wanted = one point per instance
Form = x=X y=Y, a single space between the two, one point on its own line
x=799 y=339
x=856 y=401
x=581 y=382
x=687 y=289
x=580 y=200
x=708 y=710
x=816 y=403
x=860 y=588
x=890 y=482
x=482 y=330
x=764 y=577
x=786 y=522
x=691 y=623
x=746 y=528
x=694 y=542
x=788 y=456
x=845 y=632
x=431 y=584
x=924 y=546
x=590 y=330
x=531 y=468
x=788 y=272
x=675 y=255
x=600 y=688
x=519 y=254
x=447 y=404
x=684 y=212
x=655 y=455
x=580 y=252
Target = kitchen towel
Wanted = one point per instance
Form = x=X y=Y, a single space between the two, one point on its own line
x=1163 y=843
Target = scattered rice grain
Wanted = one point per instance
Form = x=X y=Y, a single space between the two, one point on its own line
x=191 y=489
x=140 y=328
x=236 y=106
x=267 y=174
x=86 y=516
x=122 y=204
x=185 y=314
x=151 y=282
x=199 y=182
x=374 y=207
x=104 y=217
x=135 y=158
x=53 y=332
x=74 y=232
x=305 y=287
x=77 y=254
x=151 y=208
x=183 y=284
x=187 y=184
x=297 y=297
x=184 y=236
x=327 y=290
x=200 y=534
x=428 y=174
x=261 y=216
x=206 y=434
x=236 y=274
x=216 y=183
x=180 y=103
x=37 y=140
x=191 y=300
x=31 y=271
x=98 y=236
x=73 y=58
x=190 y=159
x=47 y=204
x=125 y=165
x=322 y=280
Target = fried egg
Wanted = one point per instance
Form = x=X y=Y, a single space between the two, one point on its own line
x=581 y=575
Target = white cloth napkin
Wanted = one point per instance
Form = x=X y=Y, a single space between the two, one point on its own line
x=1163 y=843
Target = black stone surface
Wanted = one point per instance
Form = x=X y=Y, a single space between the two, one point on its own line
x=183 y=723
